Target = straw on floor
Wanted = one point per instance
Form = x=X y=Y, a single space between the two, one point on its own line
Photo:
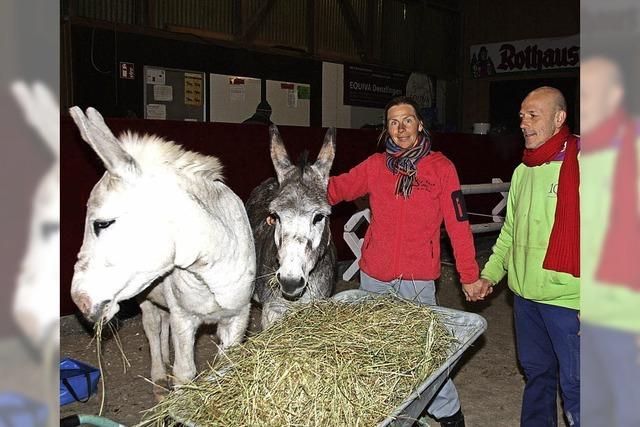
x=326 y=363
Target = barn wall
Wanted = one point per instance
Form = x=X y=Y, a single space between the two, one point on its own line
x=97 y=53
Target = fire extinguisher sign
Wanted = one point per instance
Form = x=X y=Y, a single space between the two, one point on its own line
x=127 y=71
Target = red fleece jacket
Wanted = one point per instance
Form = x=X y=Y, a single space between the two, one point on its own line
x=403 y=239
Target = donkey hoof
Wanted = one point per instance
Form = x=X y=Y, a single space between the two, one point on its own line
x=159 y=394
x=160 y=390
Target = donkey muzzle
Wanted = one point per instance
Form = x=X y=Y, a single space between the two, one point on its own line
x=92 y=312
x=292 y=287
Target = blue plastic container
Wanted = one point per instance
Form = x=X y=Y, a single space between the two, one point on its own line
x=19 y=410
x=78 y=381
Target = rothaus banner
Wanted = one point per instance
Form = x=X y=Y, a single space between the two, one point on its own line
x=369 y=86
x=525 y=55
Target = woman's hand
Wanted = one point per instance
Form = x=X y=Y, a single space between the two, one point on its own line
x=478 y=290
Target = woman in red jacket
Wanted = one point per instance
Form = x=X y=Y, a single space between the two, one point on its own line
x=411 y=191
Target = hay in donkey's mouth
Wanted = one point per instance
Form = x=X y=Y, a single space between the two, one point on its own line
x=326 y=363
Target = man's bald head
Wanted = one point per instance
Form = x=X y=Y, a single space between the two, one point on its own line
x=601 y=91
x=605 y=68
x=553 y=95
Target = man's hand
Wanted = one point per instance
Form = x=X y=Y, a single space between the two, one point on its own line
x=478 y=290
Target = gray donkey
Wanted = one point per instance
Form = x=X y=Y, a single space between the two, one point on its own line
x=296 y=258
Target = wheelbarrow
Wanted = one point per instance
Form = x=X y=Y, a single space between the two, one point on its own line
x=465 y=327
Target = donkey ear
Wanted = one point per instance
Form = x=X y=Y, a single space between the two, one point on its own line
x=97 y=120
x=327 y=154
x=95 y=132
x=41 y=110
x=279 y=155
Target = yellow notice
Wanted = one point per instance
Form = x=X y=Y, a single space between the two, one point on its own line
x=193 y=89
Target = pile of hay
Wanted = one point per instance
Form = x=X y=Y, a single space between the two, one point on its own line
x=326 y=363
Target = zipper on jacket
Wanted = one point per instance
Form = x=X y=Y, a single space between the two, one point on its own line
x=431 y=246
x=396 y=252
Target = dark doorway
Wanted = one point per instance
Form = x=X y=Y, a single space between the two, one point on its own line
x=506 y=97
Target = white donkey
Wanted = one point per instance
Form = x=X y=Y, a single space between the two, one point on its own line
x=161 y=225
x=36 y=299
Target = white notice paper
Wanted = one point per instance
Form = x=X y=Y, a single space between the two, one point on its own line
x=154 y=76
x=156 y=111
x=236 y=93
x=292 y=98
x=162 y=93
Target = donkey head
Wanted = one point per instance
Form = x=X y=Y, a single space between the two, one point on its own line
x=35 y=303
x=299 y=213
x=127 y=236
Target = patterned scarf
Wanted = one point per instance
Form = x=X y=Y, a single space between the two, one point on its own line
x=402 y=162
x=563 y=252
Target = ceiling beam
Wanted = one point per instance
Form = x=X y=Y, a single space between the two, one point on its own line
x=354 y=27
x=312 y=27
x=372 y=17
x=237 y=12
x=251 y=31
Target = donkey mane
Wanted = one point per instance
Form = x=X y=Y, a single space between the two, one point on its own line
x=303 y=162
x=153 y=152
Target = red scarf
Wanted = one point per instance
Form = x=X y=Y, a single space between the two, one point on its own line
x=619 y=258
x=563 y=252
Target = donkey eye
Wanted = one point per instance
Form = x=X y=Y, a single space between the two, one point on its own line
x=317 y=218
x=272 y=218
x=98 y=225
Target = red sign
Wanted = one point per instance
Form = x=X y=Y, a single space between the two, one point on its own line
x=127 y=71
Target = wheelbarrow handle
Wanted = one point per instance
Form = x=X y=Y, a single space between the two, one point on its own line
x=93 y=420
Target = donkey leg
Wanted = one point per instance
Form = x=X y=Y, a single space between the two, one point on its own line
x=231 y=330
x=164 y=337
x=272 y=311
x=183 y=331
x=151 y=323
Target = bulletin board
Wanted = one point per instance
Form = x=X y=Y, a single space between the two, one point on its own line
x=290 y=103
x=233 y=99
x=173 y=94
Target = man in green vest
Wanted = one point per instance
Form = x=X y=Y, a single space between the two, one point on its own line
x=538 y=250
x=610 y=185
